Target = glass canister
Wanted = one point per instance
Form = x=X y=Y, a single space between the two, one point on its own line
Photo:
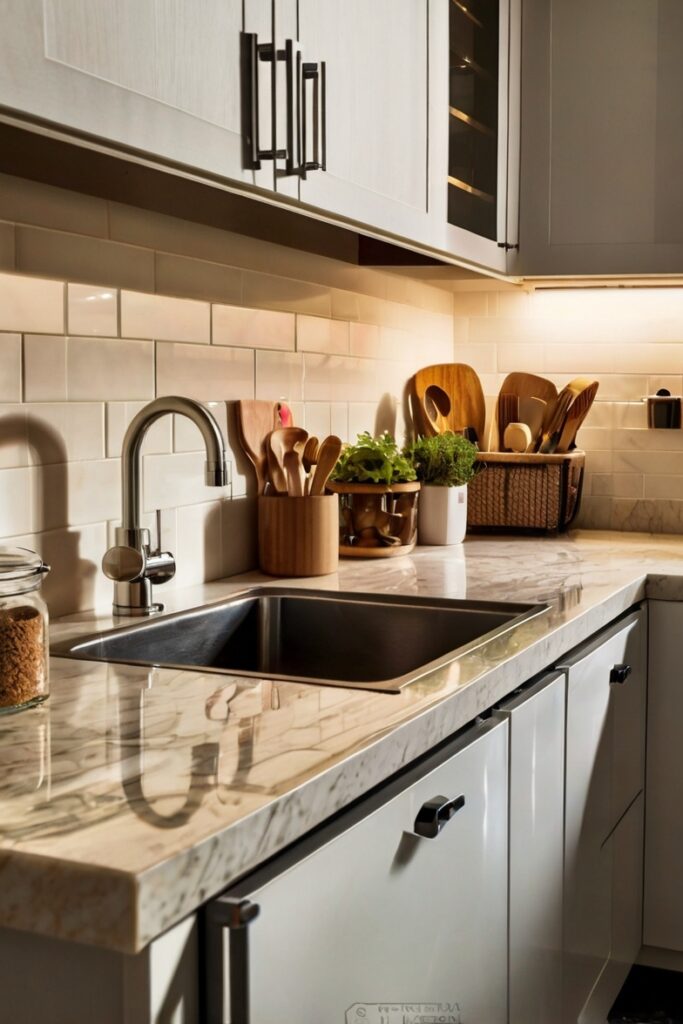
x=24 y=672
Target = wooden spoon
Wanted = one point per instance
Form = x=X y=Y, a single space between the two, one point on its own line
x=310 y=456
x=287 y=445
x=328 y=455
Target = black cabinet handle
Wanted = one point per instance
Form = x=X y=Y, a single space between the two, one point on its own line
x=435 y=813
x=317 y=76
x=619 y=673
x=253 y=54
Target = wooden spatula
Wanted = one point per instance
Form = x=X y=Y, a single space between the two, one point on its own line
x=255 y=421
x=555 y=423
x=532 y=412
x=507 y=411
x=578 y=411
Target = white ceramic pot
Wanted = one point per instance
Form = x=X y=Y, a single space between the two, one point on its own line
x=442 y=516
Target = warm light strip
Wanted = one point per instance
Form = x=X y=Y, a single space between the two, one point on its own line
x=457 y=183
x=559 y=283
x=462 y=116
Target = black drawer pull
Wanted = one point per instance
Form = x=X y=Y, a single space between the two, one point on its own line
x=435 y=813
x=620 y=673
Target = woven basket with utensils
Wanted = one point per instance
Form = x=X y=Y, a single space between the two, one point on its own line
x=533 y=472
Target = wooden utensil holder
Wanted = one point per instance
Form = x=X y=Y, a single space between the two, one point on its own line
x=298 y=536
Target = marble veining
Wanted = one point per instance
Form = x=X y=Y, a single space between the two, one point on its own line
x=134 y=795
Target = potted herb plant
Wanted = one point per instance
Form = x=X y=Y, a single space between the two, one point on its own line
x=378 y=489
x=444 y=464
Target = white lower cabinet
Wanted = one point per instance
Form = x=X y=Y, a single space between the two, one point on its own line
x=369 y=914
x=536 y=815
x=605 y=751
x=663 y=915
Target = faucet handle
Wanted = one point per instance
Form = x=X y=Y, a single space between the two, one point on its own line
x=157 y=518
x=124 y=564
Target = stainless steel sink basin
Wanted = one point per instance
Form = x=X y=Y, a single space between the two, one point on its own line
x=361 y=640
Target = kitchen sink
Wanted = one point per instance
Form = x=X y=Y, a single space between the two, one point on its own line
x=369 y=641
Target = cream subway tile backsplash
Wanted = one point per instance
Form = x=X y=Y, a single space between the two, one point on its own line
x=16 y=513
x=75 y=494
x=14 y=449
x=269 y=292
x=31 y=304
x=253 y=328
x=186 y=435
x=320 y=334
x=65 y=431
x=197 y=279
x=104 y=307
x=103 y=368
x=92 y=310
x=81 y=258
x=44 y=368
x=206 y=373
x=165 y=319
x=174 y=480
x=364 y=340
x=339 y=420
x=158 y=439
x=318 y=419
x=10 y=361
x=279 y=375
x=631 y=340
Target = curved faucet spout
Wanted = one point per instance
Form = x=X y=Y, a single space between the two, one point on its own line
x=131 y=460
x=132 y=563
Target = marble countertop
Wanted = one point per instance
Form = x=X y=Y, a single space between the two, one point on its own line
x=133 y=796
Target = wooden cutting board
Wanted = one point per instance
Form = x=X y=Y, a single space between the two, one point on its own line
x=464 y=407
x=255 y=421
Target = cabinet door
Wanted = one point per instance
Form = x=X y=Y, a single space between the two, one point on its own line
x=602 y=155
x=162 y=76
x=367 y=913
x=376 y=110
x=474 y=55
x=663 y=919
x=623 y=851
x=604 y=774
x=537 y=721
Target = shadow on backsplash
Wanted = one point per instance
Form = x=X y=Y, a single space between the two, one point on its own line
x=50 y=511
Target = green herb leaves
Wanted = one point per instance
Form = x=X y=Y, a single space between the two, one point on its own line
x=374 y=460
x=447 y=460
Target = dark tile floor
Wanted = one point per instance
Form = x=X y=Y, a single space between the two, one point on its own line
x=649 y=996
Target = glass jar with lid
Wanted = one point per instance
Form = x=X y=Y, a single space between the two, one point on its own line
x=24 y=672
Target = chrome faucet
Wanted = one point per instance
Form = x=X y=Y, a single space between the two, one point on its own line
x=131 y=563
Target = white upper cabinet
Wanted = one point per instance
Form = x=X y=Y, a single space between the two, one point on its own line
x=161 y=76
x=602 y=139
x=371 y=128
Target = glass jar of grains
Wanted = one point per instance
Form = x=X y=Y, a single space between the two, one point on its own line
x=23 y=630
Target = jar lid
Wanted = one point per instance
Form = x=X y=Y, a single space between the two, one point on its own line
x=20 y=563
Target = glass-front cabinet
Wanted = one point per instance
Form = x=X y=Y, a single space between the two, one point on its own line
x=475 y=173
x=473 y=80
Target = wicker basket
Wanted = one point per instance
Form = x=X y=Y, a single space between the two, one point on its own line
x=525 y=493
